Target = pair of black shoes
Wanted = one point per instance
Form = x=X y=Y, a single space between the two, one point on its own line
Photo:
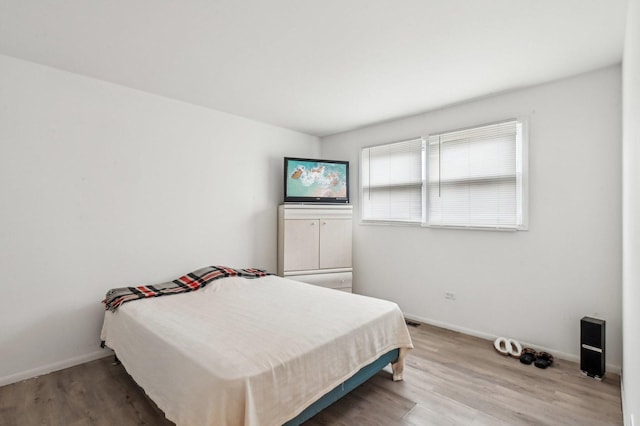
x=539 y=359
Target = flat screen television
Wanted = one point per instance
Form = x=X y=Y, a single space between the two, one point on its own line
x=316 y=181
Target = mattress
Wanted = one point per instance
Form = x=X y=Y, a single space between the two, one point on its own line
x=249 y=352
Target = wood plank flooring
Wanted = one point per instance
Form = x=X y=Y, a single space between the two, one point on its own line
x=450 y=379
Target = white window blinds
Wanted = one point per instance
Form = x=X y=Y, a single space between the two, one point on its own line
x=391 y=182
x=475 y=177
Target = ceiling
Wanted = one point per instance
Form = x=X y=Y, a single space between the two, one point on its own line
x=317 y=66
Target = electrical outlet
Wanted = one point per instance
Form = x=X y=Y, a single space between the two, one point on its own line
x=450 y=296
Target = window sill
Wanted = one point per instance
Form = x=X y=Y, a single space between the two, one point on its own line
x=424 y=225
x=478 y=228
x=389 y=223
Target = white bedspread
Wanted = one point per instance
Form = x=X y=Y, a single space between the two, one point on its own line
x=249 y=352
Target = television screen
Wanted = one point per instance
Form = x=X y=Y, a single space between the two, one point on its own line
x=316 y=181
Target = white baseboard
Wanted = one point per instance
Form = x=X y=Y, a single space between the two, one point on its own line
x=60 y=365
x=627 y=418
x=558 y=354
x=101 y=353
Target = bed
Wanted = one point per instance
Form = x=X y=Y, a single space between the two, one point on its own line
x=266 y=351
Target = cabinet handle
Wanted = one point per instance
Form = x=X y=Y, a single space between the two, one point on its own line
x=324 y=223
x=313 y=223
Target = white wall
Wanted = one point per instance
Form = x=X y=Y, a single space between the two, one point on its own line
x=103 y=186
x=631 y=217
x=533 y=285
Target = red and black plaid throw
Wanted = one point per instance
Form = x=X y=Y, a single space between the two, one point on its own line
x=190 y=282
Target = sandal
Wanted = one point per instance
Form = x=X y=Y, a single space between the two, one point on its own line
x=501 y=345
x=543 y=360
x=515 y=348
x=528 y=356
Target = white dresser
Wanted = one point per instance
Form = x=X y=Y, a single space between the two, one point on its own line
x=314 y=244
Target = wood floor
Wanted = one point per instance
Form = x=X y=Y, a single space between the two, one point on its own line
x=450 y=379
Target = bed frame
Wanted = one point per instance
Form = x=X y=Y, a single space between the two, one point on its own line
x=364 y=374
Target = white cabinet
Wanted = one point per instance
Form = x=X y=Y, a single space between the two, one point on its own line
x=314 y=244
x=302 y=242
x=335 y=243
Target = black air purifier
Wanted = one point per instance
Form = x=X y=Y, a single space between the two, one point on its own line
x=592 y=343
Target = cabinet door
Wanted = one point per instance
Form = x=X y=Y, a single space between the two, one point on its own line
x=301 y=244
x=335 y=243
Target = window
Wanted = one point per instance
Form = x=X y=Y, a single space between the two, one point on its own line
x=476 y=177
x=391 y=182
x=472 y=178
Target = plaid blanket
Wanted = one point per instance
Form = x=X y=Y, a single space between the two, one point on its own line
x=190 y=282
